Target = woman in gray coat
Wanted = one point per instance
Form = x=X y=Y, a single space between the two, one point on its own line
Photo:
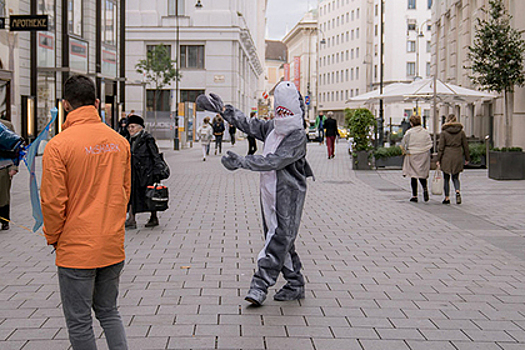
x=416 y=146
x=453 y=155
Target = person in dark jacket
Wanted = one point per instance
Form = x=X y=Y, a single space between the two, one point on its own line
x=123 y=126
x=218 y=132
x=252 y=143
x=453 y=155
x=6 y=175
x=145 y=160
x=330 y=125
x=232 y=130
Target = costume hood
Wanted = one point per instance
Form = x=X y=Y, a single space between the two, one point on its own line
x=289 y=108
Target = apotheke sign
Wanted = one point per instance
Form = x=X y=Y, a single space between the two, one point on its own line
x=19 y=23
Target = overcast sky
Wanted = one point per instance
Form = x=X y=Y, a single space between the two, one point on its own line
x=283 y=14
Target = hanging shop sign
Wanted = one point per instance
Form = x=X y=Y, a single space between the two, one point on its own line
x=19 y=23
x=297 y=72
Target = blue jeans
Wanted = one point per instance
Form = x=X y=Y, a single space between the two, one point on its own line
x=84 y=289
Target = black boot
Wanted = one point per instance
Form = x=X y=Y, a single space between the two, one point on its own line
x=153 y=221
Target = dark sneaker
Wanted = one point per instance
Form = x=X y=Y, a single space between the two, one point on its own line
x=413 y=199
x=425 y=195
x=130 y=224
x=446 y=201
x=256 y=297
x=289 y=292
x=458 y=198
x=154 y=221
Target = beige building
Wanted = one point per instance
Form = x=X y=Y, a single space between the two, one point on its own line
x=454 y=23
x=302 y=42
x=276 y=57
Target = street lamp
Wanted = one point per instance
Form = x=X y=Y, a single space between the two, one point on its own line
x=321 y=42
x=176 y=140
x=420 y=35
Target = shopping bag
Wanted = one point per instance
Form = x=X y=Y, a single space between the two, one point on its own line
x=157 y=197
x=436 y=185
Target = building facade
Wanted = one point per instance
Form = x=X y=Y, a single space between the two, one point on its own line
x=220 y=46
x=454 y=23
x=276 y=59
x=350 y=58
x=82 y=37
x=302 y=43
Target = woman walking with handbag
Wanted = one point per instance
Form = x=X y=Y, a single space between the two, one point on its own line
x=453 y=155
x=416 y=145
x=146 y=170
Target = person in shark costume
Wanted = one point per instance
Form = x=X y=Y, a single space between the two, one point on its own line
x=284 y=171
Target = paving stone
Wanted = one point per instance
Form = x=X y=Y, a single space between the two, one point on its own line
x=336 y=344
x=384 y=344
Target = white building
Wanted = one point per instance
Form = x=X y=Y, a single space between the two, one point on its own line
x=276 y=57
x=221 y=50
x=350 y=59
x=454 y=22
x=302 y=42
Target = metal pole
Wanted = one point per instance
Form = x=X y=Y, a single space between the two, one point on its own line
x=381 y=68
x=176 y=141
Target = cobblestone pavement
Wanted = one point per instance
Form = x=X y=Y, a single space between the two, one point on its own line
x=382 y=273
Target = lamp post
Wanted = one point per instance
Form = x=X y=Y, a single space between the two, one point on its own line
x=176 y=139
x=420 y=35
x=320 y=42
x=381 y=75
x=371 y=63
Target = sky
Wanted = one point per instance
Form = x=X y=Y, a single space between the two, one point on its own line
x=283 y=15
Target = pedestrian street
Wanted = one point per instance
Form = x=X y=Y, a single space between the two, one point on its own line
x=382 y=273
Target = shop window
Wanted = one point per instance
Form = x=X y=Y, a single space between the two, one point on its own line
x=109 y=22
x=74 y=17
x=162 y=97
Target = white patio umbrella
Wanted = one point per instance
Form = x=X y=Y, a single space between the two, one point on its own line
x=371 y=96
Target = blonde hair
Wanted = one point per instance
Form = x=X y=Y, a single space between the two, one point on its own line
x=451 y=119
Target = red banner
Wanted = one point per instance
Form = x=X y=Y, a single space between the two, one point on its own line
x=287 y=72
x=297 y=72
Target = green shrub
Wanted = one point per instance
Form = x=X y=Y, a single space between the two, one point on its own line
x=508 y=149
x=477 y=150
x=361 y=124
x=387 y=152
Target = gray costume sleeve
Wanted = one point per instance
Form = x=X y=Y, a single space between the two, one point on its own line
x=291 y=149
x=254 y=127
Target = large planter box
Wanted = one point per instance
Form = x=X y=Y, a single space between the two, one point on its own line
x=506 y=165
x=361 y=160
x=390 y=162
x=482 y=164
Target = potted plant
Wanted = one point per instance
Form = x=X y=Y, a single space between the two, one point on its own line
x=478 y=156
x=361 y=125
x=507 y=163
x=388 y=157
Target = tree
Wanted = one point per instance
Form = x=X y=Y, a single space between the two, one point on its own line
x=497 y=57
x=159 y=71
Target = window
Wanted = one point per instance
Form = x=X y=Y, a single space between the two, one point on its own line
x=352 y=53
x=109 y=22
x=352 y=35
x=352 y=74
x=357 y=53
x=192 y=56
x=162 y=100
x=352 y=16
x=376 y=10
x=357 y=33
x=357 y=92
x=74 y=17
x=429 y=46
x=375 y=50
x=347 y=36
x=411 y=26
x=376 y=30
x=357 y=14
x=411 y=69
x=428 y=69
x=411 y=4
x=347 y=55
x=347 y=17
x=411 y=46
x=429 y=5
x=347 y=77
x=150 y=48
x=357 y=73
x=337 y=77
x=352 y=93
x=375 y=71
x=346 y=94
x=172 y=7
x=190 y=95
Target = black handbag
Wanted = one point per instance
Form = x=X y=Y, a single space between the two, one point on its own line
x=157 y=197
x=164 y=168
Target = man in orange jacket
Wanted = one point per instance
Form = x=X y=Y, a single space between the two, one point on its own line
x=85 y=191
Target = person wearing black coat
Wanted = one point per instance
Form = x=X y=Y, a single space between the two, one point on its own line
x=218 y=132
x=145 y=160
x=331 y=132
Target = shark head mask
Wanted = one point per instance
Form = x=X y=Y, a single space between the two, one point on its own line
x=289 y=108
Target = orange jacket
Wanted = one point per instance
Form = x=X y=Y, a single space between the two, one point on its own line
x=85 y=190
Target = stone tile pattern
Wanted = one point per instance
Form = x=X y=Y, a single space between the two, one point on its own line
x=382 y=274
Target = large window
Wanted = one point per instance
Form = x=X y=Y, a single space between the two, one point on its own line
x=190 y=95
x=172 y=7
x=411 y=69
x=192 y=56
x=411 y=46
x=74 y=17
x=150 y=48
x=411 y=4
x=162 y=97
x=109 y=22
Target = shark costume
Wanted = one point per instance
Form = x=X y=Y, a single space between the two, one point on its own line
x=284 y=171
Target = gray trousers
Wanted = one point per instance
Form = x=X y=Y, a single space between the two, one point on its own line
x=84 y=289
